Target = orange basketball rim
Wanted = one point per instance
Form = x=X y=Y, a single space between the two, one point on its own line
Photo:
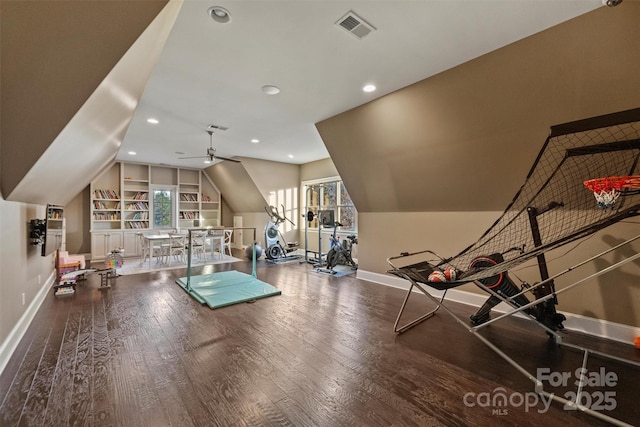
x=606 y=190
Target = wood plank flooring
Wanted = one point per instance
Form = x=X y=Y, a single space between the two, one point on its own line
x=144 y=353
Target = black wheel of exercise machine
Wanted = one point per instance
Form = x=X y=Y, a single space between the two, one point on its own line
x=274 y=252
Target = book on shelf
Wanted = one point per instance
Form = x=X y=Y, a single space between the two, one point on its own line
x=141 y=215
x=137 y=224
x=105 y=216
x=189 y=215
x=138 y=206
x=140 y=195
x=188 y=197
x=105 y=194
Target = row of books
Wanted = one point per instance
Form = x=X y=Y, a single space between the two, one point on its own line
x=189 y=215
x=105 y=194
x=140 y=215
x=138 y=206
x=104 y=206
x=104 y=216
x=188 y=197
x=137 y=224
x=140 y=195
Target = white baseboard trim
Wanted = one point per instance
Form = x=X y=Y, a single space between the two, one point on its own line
x=575 y=322
x=13 y=339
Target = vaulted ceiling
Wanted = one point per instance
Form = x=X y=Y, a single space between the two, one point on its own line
x=57 y=55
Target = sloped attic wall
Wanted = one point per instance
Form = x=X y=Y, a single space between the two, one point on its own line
x=68 y=83
x=246 y=188
x=432 y=165
x=239 y=191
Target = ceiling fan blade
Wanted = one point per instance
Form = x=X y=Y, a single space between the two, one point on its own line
x=211 y=151
x=227 y=159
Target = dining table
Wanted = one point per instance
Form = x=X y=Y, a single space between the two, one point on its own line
x=151 y=239
x=215 y=240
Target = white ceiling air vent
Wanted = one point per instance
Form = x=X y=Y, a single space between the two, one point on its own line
x=355 y=25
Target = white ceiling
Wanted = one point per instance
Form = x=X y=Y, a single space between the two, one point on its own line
x=211 y=73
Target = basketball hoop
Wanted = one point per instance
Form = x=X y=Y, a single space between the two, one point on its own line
x=607 y=190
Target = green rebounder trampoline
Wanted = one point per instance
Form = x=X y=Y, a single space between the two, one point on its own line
x=225 y=288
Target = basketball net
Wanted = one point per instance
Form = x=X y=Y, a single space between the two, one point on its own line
x=607 y=190
x=606 y=199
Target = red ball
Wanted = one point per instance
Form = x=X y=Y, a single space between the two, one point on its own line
x=636 y=342
x=437 y=276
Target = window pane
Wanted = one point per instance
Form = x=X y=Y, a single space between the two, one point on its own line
x=345 y=199
x=314 y=195
x=347 y=215
x=329 y=195
x=336 y=199
x=162 y=208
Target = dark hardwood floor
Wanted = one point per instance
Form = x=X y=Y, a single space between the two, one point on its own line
x=144 y=353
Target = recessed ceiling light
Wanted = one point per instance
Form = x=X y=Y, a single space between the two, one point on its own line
x=219 y=14
x=132 y=153
x=153 y=121
x=369 y=88
x=207 y=161
x=255 y=141
x=270 y=89
x=291 y=156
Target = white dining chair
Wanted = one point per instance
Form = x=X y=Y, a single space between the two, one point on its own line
x=175 y=248
x=198 y=244
x=226 y=243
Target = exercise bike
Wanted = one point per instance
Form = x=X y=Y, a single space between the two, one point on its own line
x=277 y=251
x=340 y=252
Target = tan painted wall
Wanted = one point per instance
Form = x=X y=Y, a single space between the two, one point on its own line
x=324 y=168
x=236 y=186
x=22 y=268
x=272 y=176
x=78 y=222
x=433 y=165
x=246 y=188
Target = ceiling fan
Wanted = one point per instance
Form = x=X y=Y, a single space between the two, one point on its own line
x=211 y=152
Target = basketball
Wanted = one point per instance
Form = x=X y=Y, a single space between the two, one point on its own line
x=437 y=276
x=450 y=274
x=636 y=342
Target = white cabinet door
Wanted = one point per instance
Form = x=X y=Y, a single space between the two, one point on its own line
x=103 y=242
x=131 y=245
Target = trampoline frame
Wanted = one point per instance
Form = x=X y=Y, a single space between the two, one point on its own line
x=558 y=339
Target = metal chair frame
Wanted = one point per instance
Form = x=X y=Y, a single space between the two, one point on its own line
x=558 y=339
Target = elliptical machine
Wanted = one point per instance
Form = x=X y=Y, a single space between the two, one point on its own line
x=277 y=251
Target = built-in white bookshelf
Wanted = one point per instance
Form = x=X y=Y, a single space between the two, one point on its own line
x=122 y=205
